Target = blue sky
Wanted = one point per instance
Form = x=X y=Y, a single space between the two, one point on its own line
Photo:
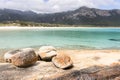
x=51 y=6
x=45 y=0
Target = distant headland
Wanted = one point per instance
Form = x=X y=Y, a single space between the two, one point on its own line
x=82 y=16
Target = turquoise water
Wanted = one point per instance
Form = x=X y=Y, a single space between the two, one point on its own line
x=71 y=38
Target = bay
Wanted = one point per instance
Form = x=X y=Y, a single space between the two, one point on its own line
x=63 y=38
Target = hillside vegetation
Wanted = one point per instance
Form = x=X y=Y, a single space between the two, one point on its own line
x=83 y=16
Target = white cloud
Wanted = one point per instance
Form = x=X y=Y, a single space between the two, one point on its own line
x=50 y=6
x=56 y=7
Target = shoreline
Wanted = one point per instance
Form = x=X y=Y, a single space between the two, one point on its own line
x=41 y=27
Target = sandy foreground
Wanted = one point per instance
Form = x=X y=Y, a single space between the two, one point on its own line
x=86 y=58
x=81 y=59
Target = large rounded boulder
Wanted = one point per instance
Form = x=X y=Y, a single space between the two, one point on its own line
x=62 y=61
x=47 y=52
x=24 y=57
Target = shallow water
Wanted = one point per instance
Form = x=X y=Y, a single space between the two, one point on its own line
x=69 y=38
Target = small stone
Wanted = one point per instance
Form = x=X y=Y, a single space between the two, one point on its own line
x=62 y=61
x=47 y=52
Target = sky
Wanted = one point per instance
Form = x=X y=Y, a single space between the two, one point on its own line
x=52 y=6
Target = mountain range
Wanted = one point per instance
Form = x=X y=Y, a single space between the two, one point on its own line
x=80 y=16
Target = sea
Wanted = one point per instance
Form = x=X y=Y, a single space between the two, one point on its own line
x=62 y=38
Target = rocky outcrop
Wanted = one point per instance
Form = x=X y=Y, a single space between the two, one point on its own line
x=91 y=73
x=46 y=71
x=62 y=61
x=47 y=52
x=22 y=57
x=35 y=72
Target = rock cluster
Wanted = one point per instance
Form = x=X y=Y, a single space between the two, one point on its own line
x=27 y=56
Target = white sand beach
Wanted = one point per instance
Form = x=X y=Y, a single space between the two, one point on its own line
x=42 y=27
